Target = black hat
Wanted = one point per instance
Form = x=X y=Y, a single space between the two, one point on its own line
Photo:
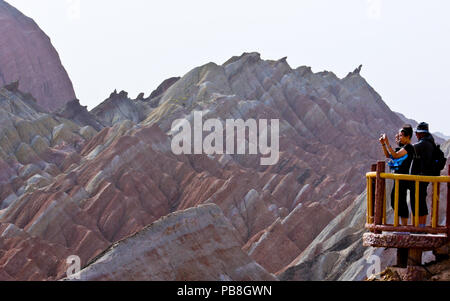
x=423 y=127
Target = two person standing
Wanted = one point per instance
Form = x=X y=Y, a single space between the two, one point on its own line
x=411 y=159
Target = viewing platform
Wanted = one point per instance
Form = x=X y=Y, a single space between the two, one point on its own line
x=409 y=240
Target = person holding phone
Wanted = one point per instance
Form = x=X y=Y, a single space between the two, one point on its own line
x=401 y=160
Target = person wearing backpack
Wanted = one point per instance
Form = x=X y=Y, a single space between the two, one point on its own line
x=425 y=165
x=400 y=163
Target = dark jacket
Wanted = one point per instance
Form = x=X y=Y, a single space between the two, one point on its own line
x=422 y=164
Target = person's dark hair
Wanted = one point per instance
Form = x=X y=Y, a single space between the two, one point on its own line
x=423 y=130
x=423 y=127
x=407 y=130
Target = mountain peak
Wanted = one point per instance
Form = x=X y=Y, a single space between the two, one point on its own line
x=357 y=71
x=115 y=95
x=247 y=56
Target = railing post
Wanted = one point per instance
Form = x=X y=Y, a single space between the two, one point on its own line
x=416 y=204
x=370 y=196
x=369 y=201
x=396 y=203
x=448 y=206
x=384 y=205
x=434 y=217
x=374 y=168
x=379 y=193
x=415 y=257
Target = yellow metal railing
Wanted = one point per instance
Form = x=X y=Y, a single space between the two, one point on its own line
x=377 y=221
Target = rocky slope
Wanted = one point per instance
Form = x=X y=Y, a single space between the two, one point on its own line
x=191 y=245
x=115 y=183
x=35 y=146
x=337 y=252
x=27 y=56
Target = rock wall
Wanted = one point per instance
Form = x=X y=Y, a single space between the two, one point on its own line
x=27 y=56
x=191 y=245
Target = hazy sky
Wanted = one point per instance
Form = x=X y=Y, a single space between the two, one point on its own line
x=134 y=45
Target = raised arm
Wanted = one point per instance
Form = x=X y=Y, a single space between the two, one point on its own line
x=390 y=152
x=383 y=144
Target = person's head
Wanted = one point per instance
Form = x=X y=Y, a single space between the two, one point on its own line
x=405 y=134
x=422 y=130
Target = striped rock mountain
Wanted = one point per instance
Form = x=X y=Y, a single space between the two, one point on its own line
x=191 y=245
x=113 y=183
x=35 y=146
x=27 y=56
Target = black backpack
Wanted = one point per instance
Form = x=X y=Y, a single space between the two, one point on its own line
x=439 y=160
